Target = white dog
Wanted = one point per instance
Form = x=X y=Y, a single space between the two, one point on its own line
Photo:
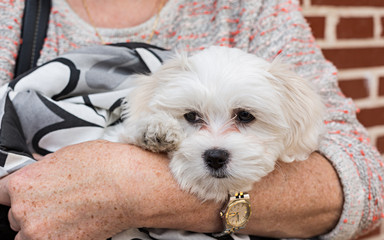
x=225 y=117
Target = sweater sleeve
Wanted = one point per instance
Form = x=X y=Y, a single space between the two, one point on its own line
x=280 y=29
x=11 y=13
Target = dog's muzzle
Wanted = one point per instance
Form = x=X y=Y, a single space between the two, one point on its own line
x=216 y=160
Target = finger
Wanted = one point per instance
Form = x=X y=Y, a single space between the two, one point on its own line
x=20 y=236
x=37 y=156
x=12 y=221
x=4 y=195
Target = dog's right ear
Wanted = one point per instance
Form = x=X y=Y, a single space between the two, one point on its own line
x=179 y=61
x=145 y=86
x=136 y=103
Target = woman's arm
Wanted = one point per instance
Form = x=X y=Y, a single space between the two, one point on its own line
x=299 y=199
x=96 y=189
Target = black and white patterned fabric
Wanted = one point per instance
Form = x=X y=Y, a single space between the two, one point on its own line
x=72 y=99
x=68 y=100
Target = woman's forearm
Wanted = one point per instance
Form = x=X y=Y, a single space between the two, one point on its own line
x=103 y=188
x=300 y=199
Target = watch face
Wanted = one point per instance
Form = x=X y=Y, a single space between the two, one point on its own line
x=238 y=213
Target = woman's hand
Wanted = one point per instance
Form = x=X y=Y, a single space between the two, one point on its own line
x=91 y=190
x=96 y=189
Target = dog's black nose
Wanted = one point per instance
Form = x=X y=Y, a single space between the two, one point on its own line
x=216 y=158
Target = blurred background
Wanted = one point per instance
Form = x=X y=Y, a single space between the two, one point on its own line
x=351 y=34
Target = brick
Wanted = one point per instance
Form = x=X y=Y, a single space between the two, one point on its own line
x=380 y=144
x=382 y=26
x=381 y=86
x=355 y=28
x=370 y=117
x=317 y=25
x=352 y=3
x=354 y=88
x=355 y=57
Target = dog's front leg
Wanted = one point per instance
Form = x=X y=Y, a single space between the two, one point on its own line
x=162 y=134
x=156 y=132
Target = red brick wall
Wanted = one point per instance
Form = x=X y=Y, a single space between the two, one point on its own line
x=351 y=34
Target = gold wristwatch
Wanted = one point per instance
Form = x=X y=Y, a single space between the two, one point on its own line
x=236 y=213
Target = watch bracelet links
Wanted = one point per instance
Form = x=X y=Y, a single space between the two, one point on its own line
x=240 y=195
x=232 y=230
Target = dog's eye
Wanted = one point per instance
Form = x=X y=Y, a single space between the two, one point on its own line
x=244 y=117
x=193 y=117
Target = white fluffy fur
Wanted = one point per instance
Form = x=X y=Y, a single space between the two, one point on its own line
x=214 y=83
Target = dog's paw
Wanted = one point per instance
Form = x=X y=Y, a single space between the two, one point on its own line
x=162 y=135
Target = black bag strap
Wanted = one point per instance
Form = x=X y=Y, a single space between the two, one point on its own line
x=33 y=33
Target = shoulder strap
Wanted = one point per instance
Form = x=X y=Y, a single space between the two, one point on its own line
x=33 y=33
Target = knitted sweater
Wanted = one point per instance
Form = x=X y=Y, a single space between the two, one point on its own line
x=266 y=28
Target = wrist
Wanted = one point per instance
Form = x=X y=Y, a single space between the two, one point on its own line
x=188 y=215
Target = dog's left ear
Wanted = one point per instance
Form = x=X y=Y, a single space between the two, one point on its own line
x=303 y=110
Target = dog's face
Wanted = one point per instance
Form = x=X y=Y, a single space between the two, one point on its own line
x=237 y=113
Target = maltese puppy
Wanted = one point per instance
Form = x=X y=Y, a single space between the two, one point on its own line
x=225 y=117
